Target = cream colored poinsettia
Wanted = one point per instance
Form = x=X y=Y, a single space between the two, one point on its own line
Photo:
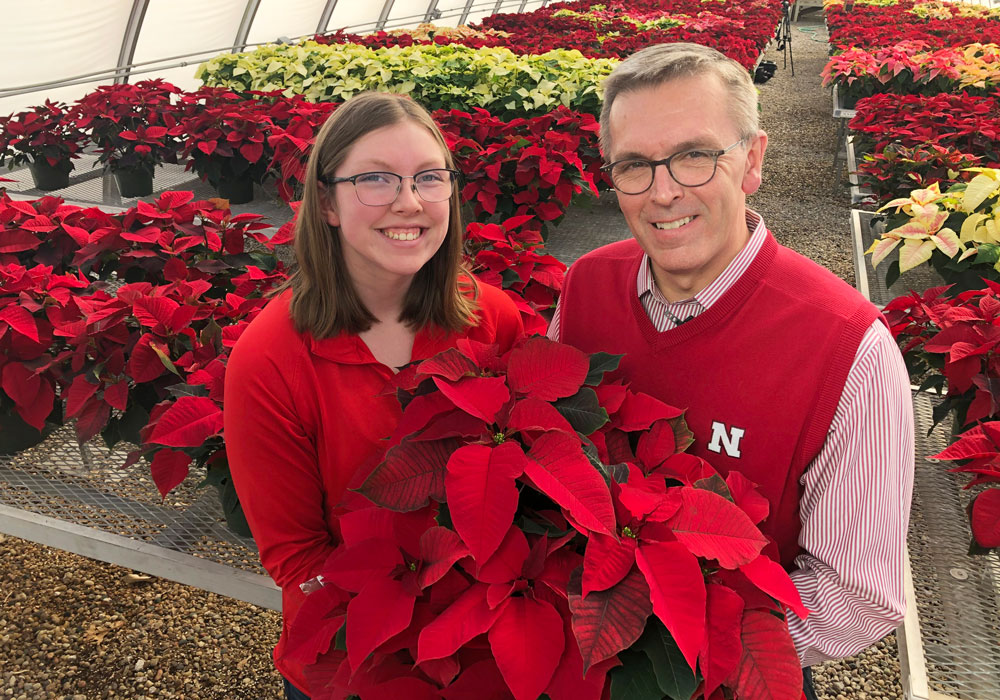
x=980 y=188
x=921 y=235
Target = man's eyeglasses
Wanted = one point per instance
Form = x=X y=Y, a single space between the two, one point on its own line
x=377 y=189
x=688 y=168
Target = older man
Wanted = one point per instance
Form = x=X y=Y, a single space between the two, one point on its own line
x=788 y=374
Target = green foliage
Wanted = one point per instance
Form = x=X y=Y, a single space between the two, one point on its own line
x=439 y=77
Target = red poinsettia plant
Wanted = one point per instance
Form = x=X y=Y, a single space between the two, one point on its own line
x=29 y=371
x=225 y=136
x=978 y=453
x=510 y=258
x=533 y=528
x=130 y=123
x=952 y=340
x=44 y=133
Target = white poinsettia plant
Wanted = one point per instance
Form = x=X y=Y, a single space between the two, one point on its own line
x=957 y=231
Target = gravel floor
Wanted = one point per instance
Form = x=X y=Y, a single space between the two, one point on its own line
x=75 y=629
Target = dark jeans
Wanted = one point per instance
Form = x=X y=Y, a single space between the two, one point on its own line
x=293 y=693
x=807 y=684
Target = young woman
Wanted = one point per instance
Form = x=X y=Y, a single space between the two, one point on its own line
x=379 y=284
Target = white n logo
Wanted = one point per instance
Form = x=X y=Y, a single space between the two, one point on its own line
x=726 y=439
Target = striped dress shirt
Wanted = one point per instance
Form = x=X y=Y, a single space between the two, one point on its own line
x=856 y=492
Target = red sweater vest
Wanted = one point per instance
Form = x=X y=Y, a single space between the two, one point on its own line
x=760 y=373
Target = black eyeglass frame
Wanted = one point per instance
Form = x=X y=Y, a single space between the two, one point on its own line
x=716 y=154
x=455 y=178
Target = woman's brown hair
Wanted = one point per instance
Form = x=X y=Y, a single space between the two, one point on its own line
x=324 y=300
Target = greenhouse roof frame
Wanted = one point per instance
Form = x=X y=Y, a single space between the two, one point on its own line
x=105 y=41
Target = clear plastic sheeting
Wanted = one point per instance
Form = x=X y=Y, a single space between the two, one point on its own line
x=62 y=49
x=58 y=39
x=210 y=24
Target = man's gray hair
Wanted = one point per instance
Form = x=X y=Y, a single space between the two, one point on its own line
x=655 y=65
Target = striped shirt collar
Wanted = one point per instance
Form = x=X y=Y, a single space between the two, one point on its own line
x=665 y=314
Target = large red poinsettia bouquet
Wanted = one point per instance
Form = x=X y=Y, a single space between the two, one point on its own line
x=535 y=530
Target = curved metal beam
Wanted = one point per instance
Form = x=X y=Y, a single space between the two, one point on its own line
x=432 y=11
x=324 y=18
x=384 y=15
x=249 y=12
x=465 y=12
x=130 y=38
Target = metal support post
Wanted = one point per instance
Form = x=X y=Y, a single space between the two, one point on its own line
x=130 y=39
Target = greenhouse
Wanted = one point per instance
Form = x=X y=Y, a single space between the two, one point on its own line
x=364 y=350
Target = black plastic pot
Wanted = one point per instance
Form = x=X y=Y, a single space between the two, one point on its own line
x=17 y=436
x=237 y=190
x=134 y=182
x=50 y=177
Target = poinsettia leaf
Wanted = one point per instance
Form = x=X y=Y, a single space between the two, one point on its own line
x=407 y=687
x=91 y=420
x=600 y=364
x=673 y=675
x=117 y=395
x=583 y=411
x=498 y=593
x=606 y=561
x=747 y=497
x=507 y=563
x=482 y=494
x=481 y=397
x=677 y=589
x=80 y=391
x=411 y=474
x=656 y=444
x=450 y=364
x=970 y=445
x=606 y=622
x=635 y=679
x=439 y=549
x=714 y=528
x=527 y=642
x=546 y=370
x=327 y=676
x=770 y=577
x=480 y=681
x=379 y=612
x=569 y=681
x=722 y=648
x=913 y=253
x=560 y=470
x=189 y=422
x=986 y=518
x=442 y=671
x=352 y=567
x=21 y=384
x=168 y=469
x=534 y=414
x=609 y=472
x=20 y=321
x=154 y=311
x=769 y=667
x=316 y=623
x=468 y=617
x=638 y=411
x=144 y=364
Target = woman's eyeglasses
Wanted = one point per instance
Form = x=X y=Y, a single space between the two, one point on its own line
x=377 y=189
